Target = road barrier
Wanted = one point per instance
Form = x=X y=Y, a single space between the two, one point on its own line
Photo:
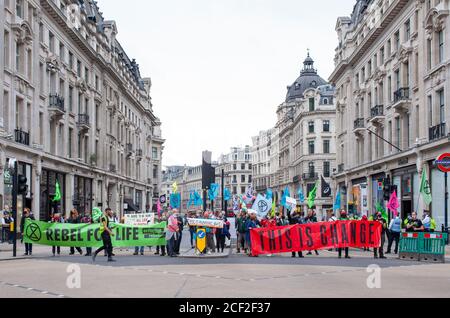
x=424 y=247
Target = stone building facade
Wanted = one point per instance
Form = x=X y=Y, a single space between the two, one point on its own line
x=75 y=110
x=392 y=87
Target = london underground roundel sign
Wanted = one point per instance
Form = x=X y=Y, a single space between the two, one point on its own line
x=443 y=162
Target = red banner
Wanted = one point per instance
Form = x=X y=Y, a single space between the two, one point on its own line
x=315 y=236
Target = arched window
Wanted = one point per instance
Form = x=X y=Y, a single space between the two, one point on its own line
x=325 y=101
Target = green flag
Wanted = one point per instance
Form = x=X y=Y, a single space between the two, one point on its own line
x=273 y=208
x=312 y=197
x=384 y=213
x=96 y=214
x=425 y=188
x=57 y=196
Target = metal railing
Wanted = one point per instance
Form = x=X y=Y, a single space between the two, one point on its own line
x=437 y=132
x=129 y=147
x=22 y=137
x=401 y=94
x=310 y=176
x=377 y=111
x=83 y=119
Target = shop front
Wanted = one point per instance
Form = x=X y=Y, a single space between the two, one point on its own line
x=438 y=194
x=378 y=181
x=359 y=205
x=48 y=207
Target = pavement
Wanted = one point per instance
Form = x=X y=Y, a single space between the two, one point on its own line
x=235 y=276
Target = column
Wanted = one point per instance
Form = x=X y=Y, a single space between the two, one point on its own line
x=36 y=172
x=69 y=192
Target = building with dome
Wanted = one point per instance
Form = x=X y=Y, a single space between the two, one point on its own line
x=306 y=139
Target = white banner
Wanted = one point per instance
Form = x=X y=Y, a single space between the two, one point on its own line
x=206 y=223
x=141 y=219
x=292 y=203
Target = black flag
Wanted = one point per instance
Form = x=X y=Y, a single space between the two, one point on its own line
x=326 y=189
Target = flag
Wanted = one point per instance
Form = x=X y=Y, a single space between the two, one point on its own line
x=312 y=197
x=326 y=189
x=175 y=187
x=269 y=194
x=273 y=208
x=57 y=196
x=301 y=196
x=213 y=192
x=262 y=206
x=425 y=190
x=337 y=203
x=175 y=200
x=393 y=203
x=96 y=215
x=235 y=203
x=158 y=208
x=226 y=194
x=249 y=193
x=198 y=201
x=384 y=213
x=191 y=199
x=286 y=194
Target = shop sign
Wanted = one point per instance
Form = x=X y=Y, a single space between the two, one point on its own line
x=443 y=162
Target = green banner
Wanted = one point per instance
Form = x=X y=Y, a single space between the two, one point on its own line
x=89 y=235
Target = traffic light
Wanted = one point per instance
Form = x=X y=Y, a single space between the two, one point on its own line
x=387 y=189
x=22 y=187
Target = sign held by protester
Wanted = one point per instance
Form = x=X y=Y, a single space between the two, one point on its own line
x=206 y=223
x=140 y=219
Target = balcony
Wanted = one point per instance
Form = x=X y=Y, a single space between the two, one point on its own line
x=359 y=125
x=129 y=149
x=83 y=122
x=402 y=100
x=112 y=168
x=437 y=132
x=56 y=106
x=341 y=168
x=260 y=188
x=310 y=176
x=377 y=114
x=22 y=137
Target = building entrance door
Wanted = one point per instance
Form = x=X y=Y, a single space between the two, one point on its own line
x=406 y=208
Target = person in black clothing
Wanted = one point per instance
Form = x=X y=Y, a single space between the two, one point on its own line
x=380 y=250
x=343 y=217
x=414 y=224
x=26 y=215
x=294 y=218
x=74 y=219
x=106 y=233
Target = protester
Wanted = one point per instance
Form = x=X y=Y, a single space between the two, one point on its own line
x=343 y=217
x=180 y=222
x=311 y=218
x=106 y=234
x=7 y=221
x=74 y=218
x=57 y=218
x=171 y=233
x=220 y=236
x=5 y=226
x=426 y=222
x=295 y=218
x=240 y=231
x=414 y=224
x=27 y=215
x=365 y=219
x=210 y=246
x=395 y=227
x=192 y=231
x=380 y=250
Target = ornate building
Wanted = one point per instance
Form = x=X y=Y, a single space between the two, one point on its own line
x=391 y=78
x=75 y=111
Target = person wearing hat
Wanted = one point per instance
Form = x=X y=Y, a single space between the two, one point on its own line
x=344 y=217
x=380 y=250
x=252 y=223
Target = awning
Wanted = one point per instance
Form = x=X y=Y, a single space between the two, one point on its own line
x=130 y=206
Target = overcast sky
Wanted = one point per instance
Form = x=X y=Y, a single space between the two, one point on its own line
x=220 y=68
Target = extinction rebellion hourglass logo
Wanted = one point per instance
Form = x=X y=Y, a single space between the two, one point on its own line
x=33 y=232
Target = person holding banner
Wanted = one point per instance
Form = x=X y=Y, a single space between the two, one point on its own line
x=86 y=219
x=74 y=219
x=106 y=234
x=171 y=233
x=27 y=215
x=380 y=250
x=240 y=231
x=343 y=217
x=57 y=218
x=311 y=218
x=161 y=218
x=295 y=218
x=252 y=223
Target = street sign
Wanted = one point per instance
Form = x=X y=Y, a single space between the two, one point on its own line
x=443 y=162
x=201 y=240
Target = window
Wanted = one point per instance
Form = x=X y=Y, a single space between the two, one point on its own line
x=234 y=190
x=407 y=30
x=51 y=42
x=382 y=55
x=69 y=150
x=154 y=153
x=311 y=147
x=235 y=166
x=249 y=179
x=86 y=75
x=390 y=88
x=311 y=104
x=41 y=32
x=242 y=166
x=243 y=178
x=390 y=135
x=234 y=179
x=430 y=110
x=6 y=48
x=311 y=127
x=311 y=168
x=326 y=169
x=78 y=68
x=397 y=41
x=389 y=47
x=155 y=173
x=441 y=106
x=19 y=8
x=70 y=99
x=326 y=126
x=441 y=46
x=97 y=114
x=326 y=146
x=62 y=51
x=398 y=131
x=243 y=190
x=429 y=54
